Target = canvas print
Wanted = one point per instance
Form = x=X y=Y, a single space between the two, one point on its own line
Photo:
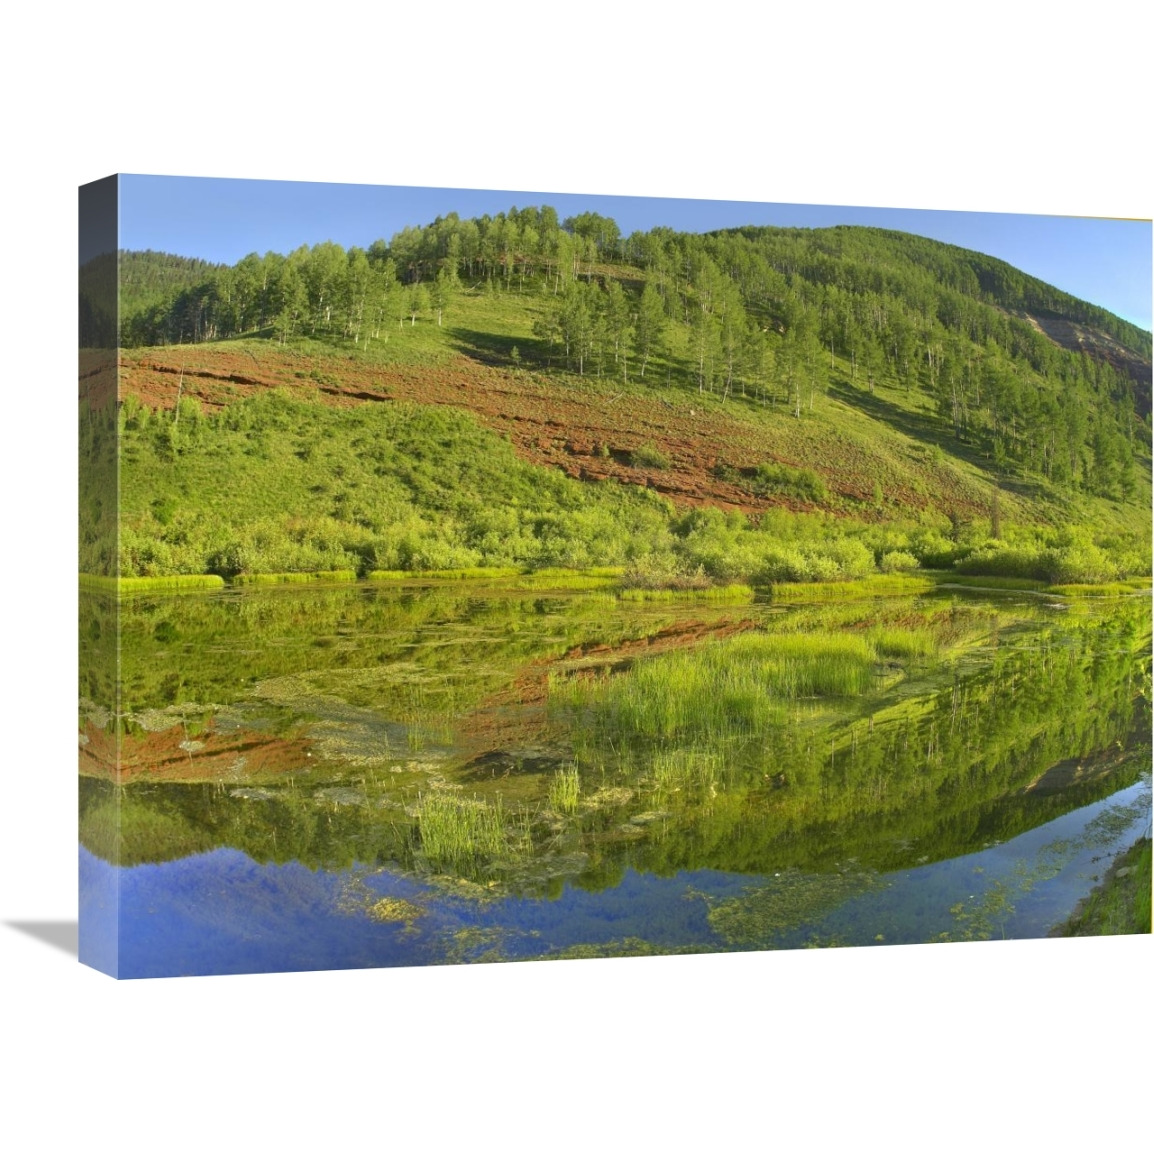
x=479 y=576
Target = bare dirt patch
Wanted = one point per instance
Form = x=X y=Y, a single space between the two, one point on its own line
x=171 y=756
x=590 y=432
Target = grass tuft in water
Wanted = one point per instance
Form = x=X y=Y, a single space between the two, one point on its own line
x=1107 y=589
x=726 y=593
x=675 y=769
x=723 y=689
x=565 y=790
x=896 y=584
x=294 y=578
x=464 y=834
x=478 y=573
x=150 y=584
x=907 y=643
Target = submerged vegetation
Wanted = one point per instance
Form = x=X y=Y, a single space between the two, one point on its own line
x=806 y=752
x=723 y=688
x=1121 y=903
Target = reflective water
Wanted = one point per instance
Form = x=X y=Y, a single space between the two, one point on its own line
x=336 y=777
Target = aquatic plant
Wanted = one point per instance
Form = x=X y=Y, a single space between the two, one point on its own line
x=893 y=642
x=565 y=790
x=1107 y=589
x=150 y=584
x=735 y=593
x=391 y=909
x=675 y=769
x=782 y=903
x=474 y=573
x=464 y=834
x=723 y=688
x=893 y=584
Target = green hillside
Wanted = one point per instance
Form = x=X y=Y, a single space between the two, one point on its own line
x=767 y=404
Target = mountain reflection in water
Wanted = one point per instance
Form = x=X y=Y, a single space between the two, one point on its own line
x=339 y=777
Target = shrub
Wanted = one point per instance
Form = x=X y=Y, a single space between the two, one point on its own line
x=662 y=571
x=852 y=558
x=1005 y=561
x=1079 y=564
x=649 y=456
x=783 y=564
x=805 y=484
x=897 y=561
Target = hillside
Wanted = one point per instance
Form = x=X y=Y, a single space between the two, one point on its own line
x=759 y=401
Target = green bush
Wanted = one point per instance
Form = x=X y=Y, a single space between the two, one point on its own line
x=769 y=479
x=1005 y=561
x=1079 y=564
x=662 y=571
x=649 y=456
x=897 y=561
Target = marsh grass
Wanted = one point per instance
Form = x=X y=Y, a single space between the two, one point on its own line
x=565 y=790
x=590 y=571
x=509 y=577
x=722 y=689
x=991 y=582
x=576 y=582
x=896 y=585
x=294 y=578
x=150 y=584
x=476 y=573
x=272 y=578
x=902 y=643
x=465 y=834
x=675 y=769
x=1108 y=589
x=713 y=593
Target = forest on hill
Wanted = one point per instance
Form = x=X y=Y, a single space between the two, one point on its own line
x=757 y=311
x=816 y=343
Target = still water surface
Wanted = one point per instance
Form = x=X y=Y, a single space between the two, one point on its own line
x=343 y=777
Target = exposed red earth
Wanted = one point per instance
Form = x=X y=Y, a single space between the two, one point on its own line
x=587 y=433
x=170 y=756
x=96 y=377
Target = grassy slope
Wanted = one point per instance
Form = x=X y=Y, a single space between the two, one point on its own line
x=884 y=456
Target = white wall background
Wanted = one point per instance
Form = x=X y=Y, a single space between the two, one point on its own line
x=986 y=106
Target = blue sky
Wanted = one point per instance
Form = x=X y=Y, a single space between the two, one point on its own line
x=1107 y=262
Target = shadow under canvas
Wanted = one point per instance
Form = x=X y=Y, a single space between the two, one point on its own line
x=63 y=935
